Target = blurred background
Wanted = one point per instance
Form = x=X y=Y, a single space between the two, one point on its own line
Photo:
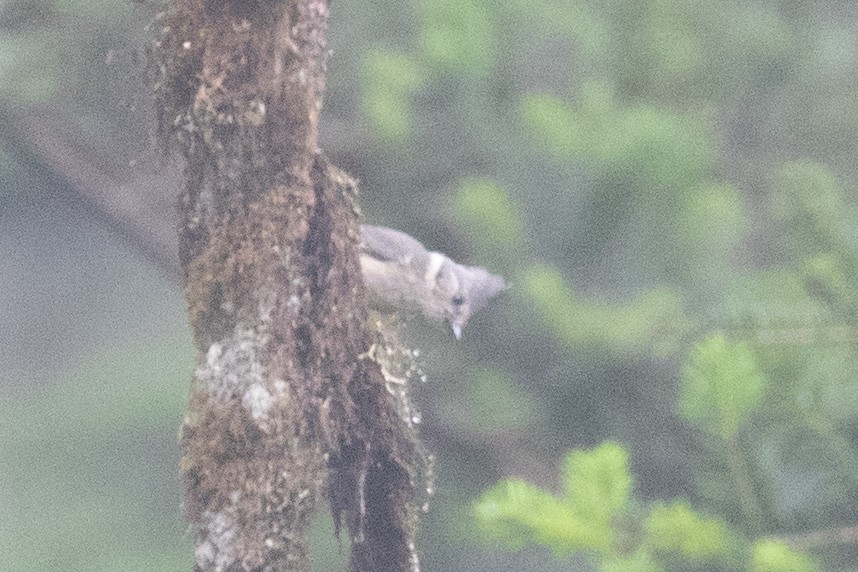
x=663 y=183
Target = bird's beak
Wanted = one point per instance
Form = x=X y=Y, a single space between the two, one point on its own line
x=457 y=330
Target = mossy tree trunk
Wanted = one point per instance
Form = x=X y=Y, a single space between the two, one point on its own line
x=286 y=402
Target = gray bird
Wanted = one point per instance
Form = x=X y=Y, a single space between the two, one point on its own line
x=400 y=274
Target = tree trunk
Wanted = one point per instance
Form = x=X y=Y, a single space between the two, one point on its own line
x=286 y=402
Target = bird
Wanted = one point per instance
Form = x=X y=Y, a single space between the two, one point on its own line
x=402 y=275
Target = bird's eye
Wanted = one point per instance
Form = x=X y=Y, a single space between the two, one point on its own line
x=458 y=300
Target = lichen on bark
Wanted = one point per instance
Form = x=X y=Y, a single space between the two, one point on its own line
x=286 y=405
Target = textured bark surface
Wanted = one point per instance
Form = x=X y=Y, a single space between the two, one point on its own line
x=286 y=391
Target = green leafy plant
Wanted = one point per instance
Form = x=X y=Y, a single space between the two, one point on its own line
x=597 y=514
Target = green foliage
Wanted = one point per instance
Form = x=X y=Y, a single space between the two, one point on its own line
x=558 y=126
x=494 y=221
x=660 y=150
x=715 y=218
x=595 y=517
x=772 y=555
x=652 y=323
x=825 y=276
x=830 y=389
x=458 y=36
x=809 y=200
x=643 y=174
x=676 y=528
x=515 y=513
x=721 y=385
x=390 y=79
x=597 y=485
x=676 y=47
x=653 y=163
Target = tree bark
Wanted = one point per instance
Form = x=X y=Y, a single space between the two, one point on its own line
x=287 y=401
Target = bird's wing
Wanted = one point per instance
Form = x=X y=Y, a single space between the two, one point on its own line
x=387 y=244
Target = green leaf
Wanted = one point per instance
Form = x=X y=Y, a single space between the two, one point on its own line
x=516 y=513
x=390 y=79
x=485 y=209
x=826 y=279
x=598 y=483
x=712 y=227
x=721 y=385
x=676 y=528
x=651 y=323
x=659 y=150
x=665 y=152
x=458 y=36
x=557 y=125
x=770 y=555
x=715 y=218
